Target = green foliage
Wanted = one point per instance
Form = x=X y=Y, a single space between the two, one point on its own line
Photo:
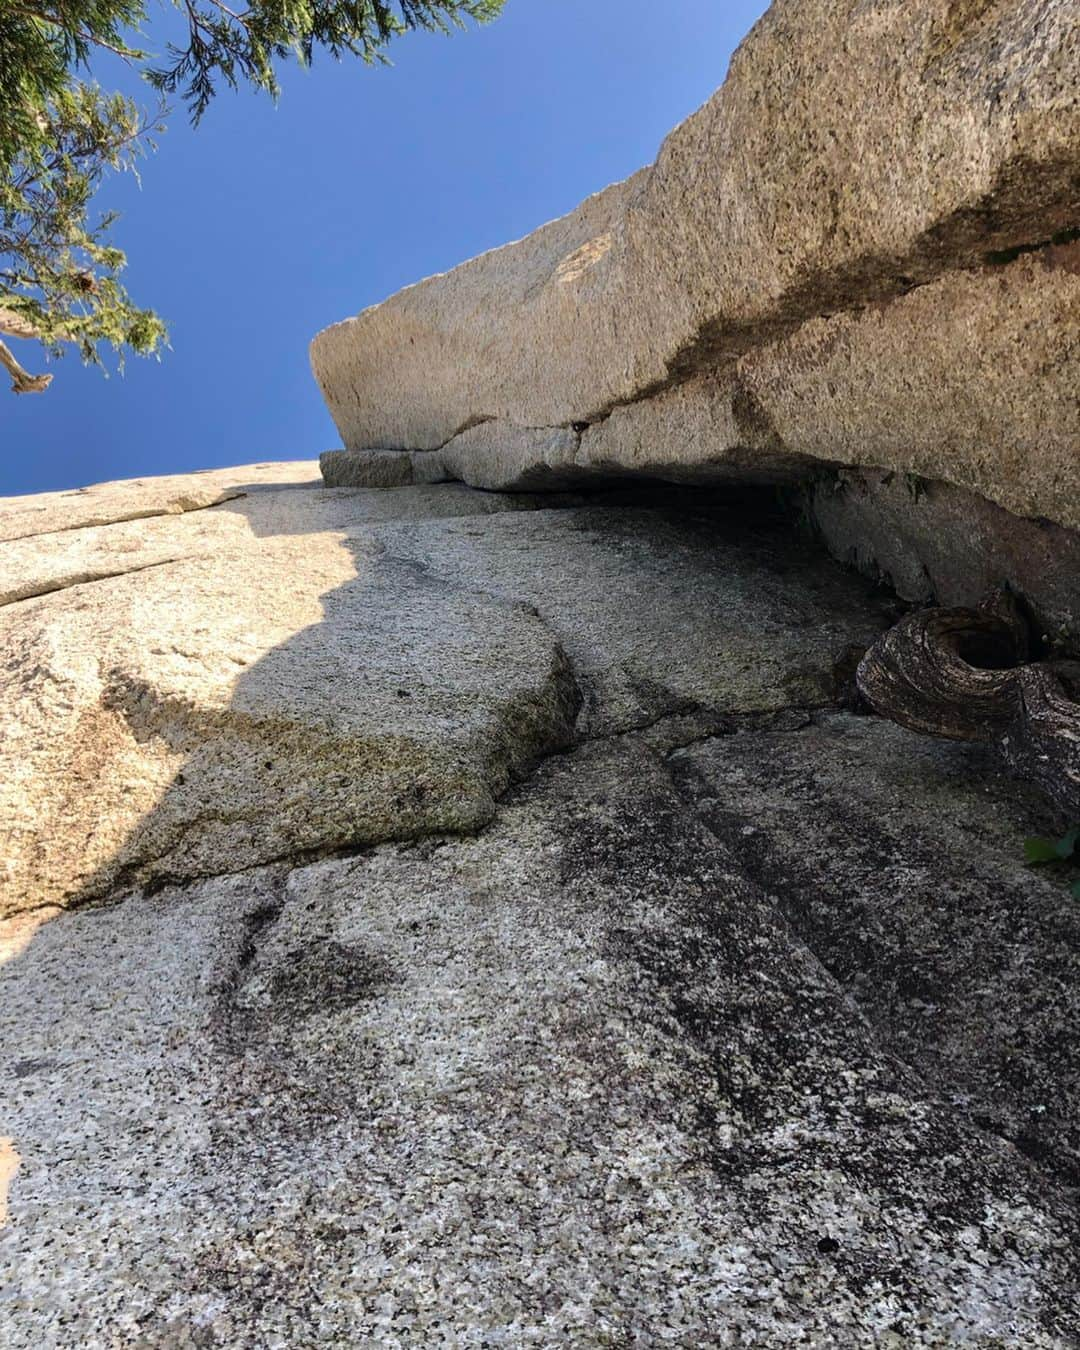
x=60 y=133
x=243 y=47
x=1039 y=850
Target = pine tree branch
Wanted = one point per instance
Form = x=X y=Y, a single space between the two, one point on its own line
x=22 y=382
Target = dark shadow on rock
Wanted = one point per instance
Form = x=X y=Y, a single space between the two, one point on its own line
x=347 y=680
x=405 y=709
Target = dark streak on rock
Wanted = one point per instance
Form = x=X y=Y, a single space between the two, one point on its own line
x=718 y=971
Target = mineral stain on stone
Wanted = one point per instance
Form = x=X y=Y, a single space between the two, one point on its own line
x=325 y=977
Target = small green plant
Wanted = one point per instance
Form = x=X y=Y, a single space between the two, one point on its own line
x=1039 y=850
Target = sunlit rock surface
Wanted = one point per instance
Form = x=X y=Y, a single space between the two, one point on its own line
x=678 y=1004
x=307 y=670
x=862 y=250
x=46 y=513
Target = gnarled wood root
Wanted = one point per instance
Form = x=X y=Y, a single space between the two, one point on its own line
x=1042 y=744
x=965 y=674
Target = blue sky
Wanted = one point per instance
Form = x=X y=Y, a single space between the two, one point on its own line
x=269 y=222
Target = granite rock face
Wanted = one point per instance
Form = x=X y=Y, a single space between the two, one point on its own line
x=855 y=828
x=158 y=727
x=736 y=1018
x=47 y=513
x=168 y=701
x=862 y=250
x=305 y=670
x=935 y=543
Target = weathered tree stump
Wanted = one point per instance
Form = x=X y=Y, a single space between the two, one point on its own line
x=1043 y=742
x=964 y=674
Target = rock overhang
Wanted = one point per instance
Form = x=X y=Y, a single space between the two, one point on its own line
x=861 y=251
x=741 y=1010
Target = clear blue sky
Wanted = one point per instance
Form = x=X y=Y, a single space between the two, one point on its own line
x=268 y=223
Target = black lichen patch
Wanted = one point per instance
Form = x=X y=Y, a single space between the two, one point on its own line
x=756 y=427
x=1052 y=246
x=326 y=977
x=288 y=1036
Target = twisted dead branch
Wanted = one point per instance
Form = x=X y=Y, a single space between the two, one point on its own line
x=13 y=325
x=965 y=674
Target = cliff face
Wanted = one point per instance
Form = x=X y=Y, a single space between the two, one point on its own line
x=861 y=251
x=436 y=917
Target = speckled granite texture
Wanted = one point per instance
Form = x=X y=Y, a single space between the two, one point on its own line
x=305 y=670
x=732 y=1018
x=863 y=249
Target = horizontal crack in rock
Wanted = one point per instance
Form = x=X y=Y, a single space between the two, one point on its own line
x=76 y=583
x=179 y=510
